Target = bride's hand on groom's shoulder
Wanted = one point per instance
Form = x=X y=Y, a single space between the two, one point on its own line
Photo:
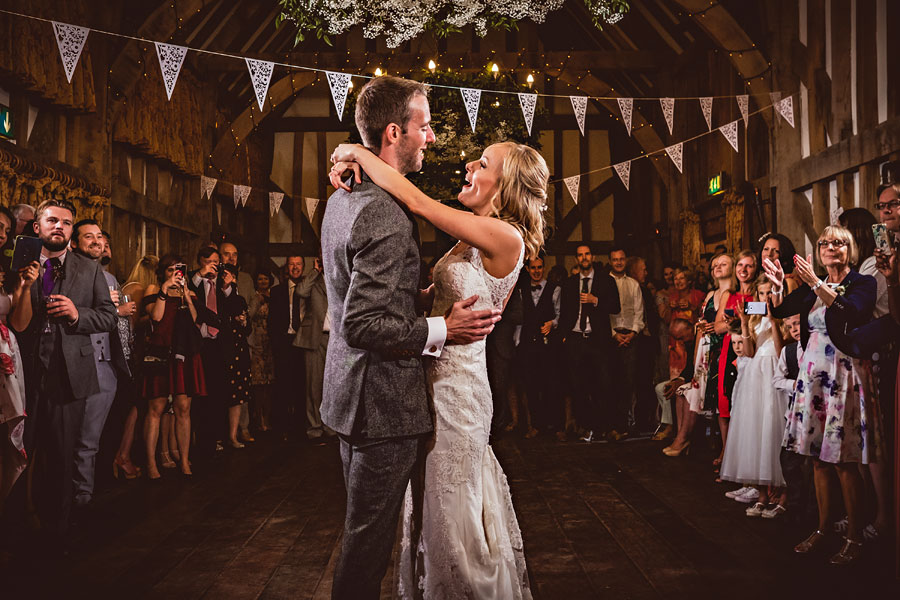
x=344 y=160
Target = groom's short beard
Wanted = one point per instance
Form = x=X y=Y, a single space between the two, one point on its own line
x=408 y=159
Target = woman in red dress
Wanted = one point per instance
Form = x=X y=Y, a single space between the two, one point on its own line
x=172 y=364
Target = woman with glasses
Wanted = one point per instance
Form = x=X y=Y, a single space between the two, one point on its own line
x=831 y=417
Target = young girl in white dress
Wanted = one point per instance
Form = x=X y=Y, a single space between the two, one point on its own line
x=752 y=455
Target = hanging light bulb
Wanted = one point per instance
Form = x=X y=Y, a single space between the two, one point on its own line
x=378 y=72
x=350 y=85
x=495 y=70
x=431 y=66
x=530 y=80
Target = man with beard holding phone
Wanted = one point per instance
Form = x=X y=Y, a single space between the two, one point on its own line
x=60 y=301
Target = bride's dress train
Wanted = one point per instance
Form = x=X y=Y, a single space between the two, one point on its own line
x=461 y=538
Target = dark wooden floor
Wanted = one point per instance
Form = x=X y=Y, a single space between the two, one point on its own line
x=599 y=521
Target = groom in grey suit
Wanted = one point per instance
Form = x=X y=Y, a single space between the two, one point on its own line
x=374 y=395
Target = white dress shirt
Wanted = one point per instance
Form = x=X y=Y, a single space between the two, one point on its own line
x=631 y=316
x=590 y=281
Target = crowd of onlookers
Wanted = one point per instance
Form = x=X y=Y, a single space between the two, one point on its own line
x=790 y=358
x=179 y=352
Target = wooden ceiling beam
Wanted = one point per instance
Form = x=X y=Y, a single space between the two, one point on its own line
x=468 y=61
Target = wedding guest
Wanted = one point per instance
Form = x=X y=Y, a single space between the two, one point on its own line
x=586 y=302
x=681 y=332
x=682 y=301
x=830 y=422
x=776 y=245
x=172 y=364
x=315 y=329
x=702 y=394
x=55 y=319
x=286 y=310
x=23 y=214
x=142 y=276
x=560 y=397
x=262 y=372
x=233 y=316
x=245 y=285
x=626 y=326
x=648 y=348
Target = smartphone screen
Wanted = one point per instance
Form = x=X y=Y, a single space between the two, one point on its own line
x=756 y=308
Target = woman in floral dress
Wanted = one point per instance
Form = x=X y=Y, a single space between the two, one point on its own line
x=831 y=417
x=262 y=372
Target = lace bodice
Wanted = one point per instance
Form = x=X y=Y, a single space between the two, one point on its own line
x=461 y=275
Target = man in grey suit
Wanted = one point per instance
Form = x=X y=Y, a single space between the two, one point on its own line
x=88 y=241
x=315 y=329
x=64 y=300
x=374 y=395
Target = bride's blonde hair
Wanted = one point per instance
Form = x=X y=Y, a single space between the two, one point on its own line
x=522 y=194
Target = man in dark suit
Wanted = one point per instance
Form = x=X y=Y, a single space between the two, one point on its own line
x=586 y=302
x=88 y=241
x=208 y=414
x=65 y=299
x=374 y=395
x=286 y=311
x=500 y=350
x=315 y=328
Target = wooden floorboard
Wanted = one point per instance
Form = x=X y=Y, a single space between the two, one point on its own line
x=598 y=521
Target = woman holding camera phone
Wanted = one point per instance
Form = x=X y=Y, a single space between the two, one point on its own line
x=170 y=366
x=831 y=418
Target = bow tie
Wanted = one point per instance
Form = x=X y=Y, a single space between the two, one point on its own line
x=536 y=287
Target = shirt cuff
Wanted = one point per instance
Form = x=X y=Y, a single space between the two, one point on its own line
x=437 y=336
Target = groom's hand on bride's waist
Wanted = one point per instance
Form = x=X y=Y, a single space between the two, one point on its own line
x=465 y=326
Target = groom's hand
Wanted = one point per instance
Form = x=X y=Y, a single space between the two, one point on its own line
x=465 y=326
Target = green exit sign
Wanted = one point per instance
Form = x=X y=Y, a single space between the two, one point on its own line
x=6 y=122
x=717 y=184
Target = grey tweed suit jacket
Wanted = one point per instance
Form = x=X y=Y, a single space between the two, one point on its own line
x=374 y=381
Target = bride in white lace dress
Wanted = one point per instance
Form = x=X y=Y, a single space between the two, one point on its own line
x=461 y=538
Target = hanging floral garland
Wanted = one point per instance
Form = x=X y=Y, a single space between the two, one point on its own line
x=402 y=20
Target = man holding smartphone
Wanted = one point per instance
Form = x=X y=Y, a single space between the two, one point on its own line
x=62 y=299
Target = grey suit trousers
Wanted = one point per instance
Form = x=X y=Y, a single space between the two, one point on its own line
x=376 y=473
x=315 y=375
x=96 y=410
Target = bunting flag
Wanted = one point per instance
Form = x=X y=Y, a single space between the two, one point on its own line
x=312 y=204
x=626 y=106
x=623 y=170
x=70 y=39
x=170 y=60
x=275 y=199
x=730 y=132
x=579 y=105
x=207 y=185
x=786 y=109
x=340 y=86
x=528 y=102
x=836 y=215
x=668 y=108
x=676 y=153
x=573 y=183
x=744 y=105
x=241 y=193
x=472 y=98
x=260 y=76
x=706 y=107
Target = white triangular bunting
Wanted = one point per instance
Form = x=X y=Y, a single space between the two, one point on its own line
x=528 y=102
x=472 y=98
x=668 y=108
x=260 y=76
x=730 y=132
x=275 y=199
x=675 y=152
x=573 y=183
x=744 y=105
x=626 y=106
x=70 y=39
x=207 y=185
x=706 y=107
x=623 y=170
x=579 y=105
x=311 y=205
x=170 y=60
x=786 y=109
x=241 y=192
x=340 y=85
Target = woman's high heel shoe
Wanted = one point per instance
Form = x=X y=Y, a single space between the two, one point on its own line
x=810 y=543
x=129 y=470
x=849 y=553
x=671 y=451
x=166 y=461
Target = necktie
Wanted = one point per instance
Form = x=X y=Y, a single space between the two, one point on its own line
x=211 y=305
x=584 y=290
x=49 y=270
x=295 y=312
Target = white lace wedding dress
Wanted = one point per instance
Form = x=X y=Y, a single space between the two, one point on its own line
x=460 y=534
